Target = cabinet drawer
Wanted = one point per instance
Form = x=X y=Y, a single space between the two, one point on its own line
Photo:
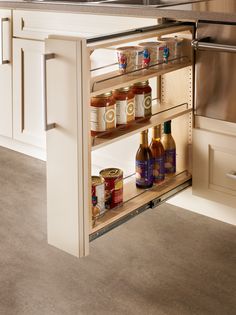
x=38 y=25
x=214 y=166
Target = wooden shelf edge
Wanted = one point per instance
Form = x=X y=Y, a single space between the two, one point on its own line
x=112 y=216
x=154 y=121
x=106 y=83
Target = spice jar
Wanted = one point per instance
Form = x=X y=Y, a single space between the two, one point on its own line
x=142 y=100
x=103 y=113
x=125 y=110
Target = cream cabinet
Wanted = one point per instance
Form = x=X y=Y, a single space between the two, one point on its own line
x=5 y=74
x=27 y=92
x=214 y=161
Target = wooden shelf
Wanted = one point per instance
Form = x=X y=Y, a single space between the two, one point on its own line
x=162 y=113
x=114 y=80
x=135 y=198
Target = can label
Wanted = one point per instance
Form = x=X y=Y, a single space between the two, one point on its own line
x=143 y=105
x=125 y=111
x=113 y=191
x=98 y=194
x=170 y=161
x=103 y=118
x=159 y=169
x=144 y=173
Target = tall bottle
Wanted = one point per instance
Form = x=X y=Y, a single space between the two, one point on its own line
x=144 y=163
x=158 y=154
x=170 y=149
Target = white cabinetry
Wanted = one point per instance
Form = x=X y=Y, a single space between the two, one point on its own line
x=27 y=97
x=214 y=162
x=5 y=75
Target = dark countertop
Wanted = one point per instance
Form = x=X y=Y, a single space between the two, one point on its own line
x=213 y=10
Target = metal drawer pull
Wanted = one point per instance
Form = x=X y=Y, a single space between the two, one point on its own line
x=203 y=45
x=231 y=174
x=2 y=61
x=46 y=57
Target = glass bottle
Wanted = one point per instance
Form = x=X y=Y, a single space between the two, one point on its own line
x=158 y=154
x=170 y=149
x=143 y=100
x=144 y=163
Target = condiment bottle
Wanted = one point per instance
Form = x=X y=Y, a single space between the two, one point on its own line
x=158 y=154
x=143 y=100
x=144 y=163
x=103 y=113
x=170 y=149
x=125 y=110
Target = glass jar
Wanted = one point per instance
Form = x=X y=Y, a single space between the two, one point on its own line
x=103 y=113
x=125 y=110
x=142 y=100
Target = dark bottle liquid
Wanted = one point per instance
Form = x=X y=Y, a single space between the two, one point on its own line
x=170 y=149
x=158 y=154
x=144 y=163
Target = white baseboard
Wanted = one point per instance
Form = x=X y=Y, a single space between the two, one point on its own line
x=21 y=147
x=187 y=200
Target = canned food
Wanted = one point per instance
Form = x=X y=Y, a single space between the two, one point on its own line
x=129 y=58
x=103 y=113
x=113 y=187
x=98 y=196
x=155 y=51
x=125 y=110
x=175 y=47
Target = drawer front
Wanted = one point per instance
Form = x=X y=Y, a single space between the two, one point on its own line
x=38 y=25
x=214 y=166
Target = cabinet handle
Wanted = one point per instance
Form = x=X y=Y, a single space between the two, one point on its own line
x=46 y=57
x=231 y=174
x=204 y=45
x=2 y=61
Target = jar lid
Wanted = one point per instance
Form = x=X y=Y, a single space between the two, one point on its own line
x=143 y=83
x=107 y=94
x=123 y=89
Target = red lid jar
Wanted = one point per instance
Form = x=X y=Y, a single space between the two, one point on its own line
x=142 y=100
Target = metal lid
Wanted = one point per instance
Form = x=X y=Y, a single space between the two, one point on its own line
x=97 y=180
x=111 y=172
x=123 y=89
x=143 y=83
x=107 y=94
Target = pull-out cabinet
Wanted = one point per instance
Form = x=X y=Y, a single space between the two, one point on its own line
x=71 y=80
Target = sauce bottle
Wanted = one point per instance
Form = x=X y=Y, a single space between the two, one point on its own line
x=158 y=154
x=125 y=110
x=143 y=100
x=144 y=163
x=170 y=149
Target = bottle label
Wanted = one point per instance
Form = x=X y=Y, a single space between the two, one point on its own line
x=125 y=111
x=158 y=169
x=144 y=173
x=143 y=105
x=170 y=161
x=103 y=118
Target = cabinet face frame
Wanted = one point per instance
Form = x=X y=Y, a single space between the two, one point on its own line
x=69 y=144
x=6 y=76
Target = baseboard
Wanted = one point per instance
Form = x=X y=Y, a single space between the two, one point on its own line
x=187 y=200
x=21 y=147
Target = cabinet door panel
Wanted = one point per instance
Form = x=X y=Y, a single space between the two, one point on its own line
x=214 y=166
x=6 y=79
x=27 y=99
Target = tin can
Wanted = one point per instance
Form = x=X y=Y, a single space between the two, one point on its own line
x=113 y=187
x=98 y=196
x=156 y=51
x=175 y=48
x=129 y=58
